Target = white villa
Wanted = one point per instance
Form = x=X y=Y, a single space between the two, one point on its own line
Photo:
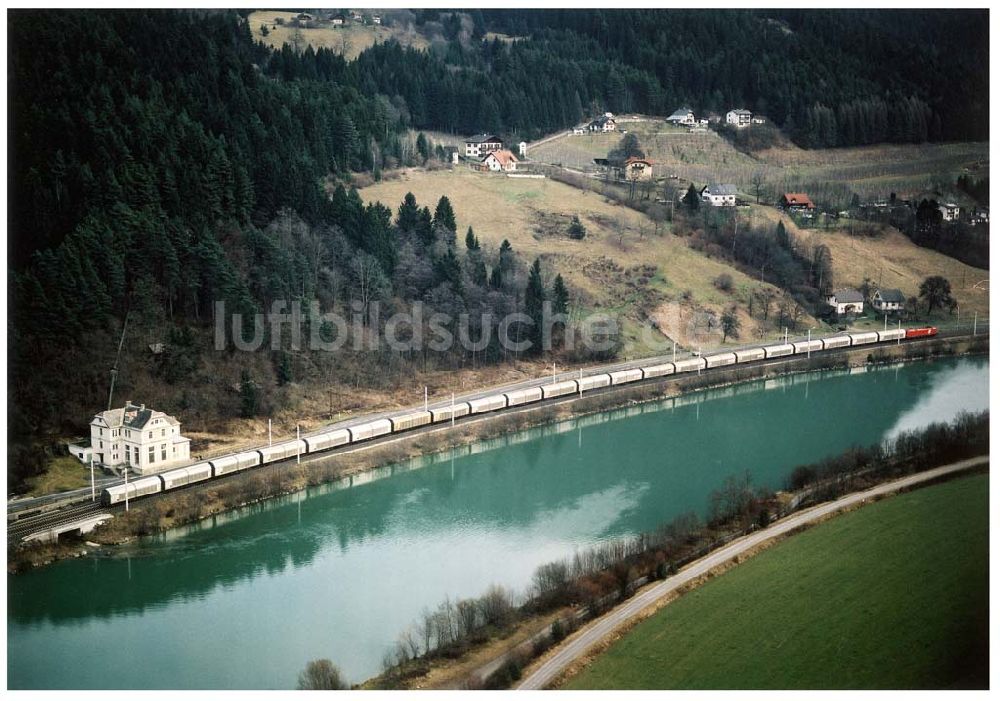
x=739 y=118
x=481 y=144
x=950 y=211
x=139 y=439
x=719 y=195
x=684 y=115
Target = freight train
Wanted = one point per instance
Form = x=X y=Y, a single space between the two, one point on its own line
x=336 y=437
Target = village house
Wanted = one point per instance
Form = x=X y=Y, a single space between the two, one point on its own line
x=757 y=120
x=337 y=21
x=847 y=301
x=577 y=131
x=139 y=439
x=500 y=161
x=950 y=211
x=796 y=202
x=481 y=144
x=605 y=123
x=451 y=154
x=719 y=195
x=684 y=115
x=376 y=19
x=889 y=300
x=739 y=118
x=979 y=215
x=638 y=169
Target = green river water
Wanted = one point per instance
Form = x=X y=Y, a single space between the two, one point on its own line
x=245 y=600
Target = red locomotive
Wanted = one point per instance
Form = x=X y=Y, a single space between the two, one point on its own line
x=921 y=333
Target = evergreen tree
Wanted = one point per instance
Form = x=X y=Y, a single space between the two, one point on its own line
x=444 y=215
x=534 y=297
x=560 y=296
x=408 y=216
x=423 y=148
x=249 y=395
x=471 y=242
x=691 y=199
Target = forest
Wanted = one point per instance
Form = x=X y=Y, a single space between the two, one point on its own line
x=161 y=160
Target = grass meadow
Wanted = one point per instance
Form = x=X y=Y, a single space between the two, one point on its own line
x=893 y=595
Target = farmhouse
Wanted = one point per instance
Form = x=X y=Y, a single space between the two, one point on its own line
x=847 y=301
x=638 y=169
x=579 y=130
x=337 y=21
x=719 y=195
x=684 y=115
x=479 y=145
x=950 y=211
x=501 y=160
x=604 y=123
x=889 y=300
x=739 y=118
x=796 y=202
x=138 y=438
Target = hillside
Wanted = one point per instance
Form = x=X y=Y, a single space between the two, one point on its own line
x=347 y=41
x=832 y=174
x=627 y=263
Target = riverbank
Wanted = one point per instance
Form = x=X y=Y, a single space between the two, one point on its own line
x=159 y=513
x=593 y=582
x=777 y=619
x=544 y=660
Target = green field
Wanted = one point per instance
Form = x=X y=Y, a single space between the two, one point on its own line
x=894 y=595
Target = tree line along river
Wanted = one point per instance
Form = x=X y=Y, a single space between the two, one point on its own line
x=246 y=599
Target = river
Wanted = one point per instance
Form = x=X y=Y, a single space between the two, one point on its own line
x=246 y=599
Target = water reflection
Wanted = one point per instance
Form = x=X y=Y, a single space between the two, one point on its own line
x=243 y=600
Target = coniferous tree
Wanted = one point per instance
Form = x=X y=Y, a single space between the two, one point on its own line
x=471 y=242
x=534 y=297
x=444 y=215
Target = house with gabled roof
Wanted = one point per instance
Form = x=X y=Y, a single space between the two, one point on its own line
x=638 y=169
x=138 y=439
x=796 y=201
x=888 y=300
x=683 y=115
x=500 y=161
x=719 y=195
x=479 y=145
x=847 y=301
x=604 y=124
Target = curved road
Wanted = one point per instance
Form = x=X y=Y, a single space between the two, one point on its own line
x=598 y=630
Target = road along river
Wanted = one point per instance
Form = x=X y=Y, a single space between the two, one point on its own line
x=246 y=599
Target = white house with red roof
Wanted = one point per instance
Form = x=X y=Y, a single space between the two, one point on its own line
x=500 y=161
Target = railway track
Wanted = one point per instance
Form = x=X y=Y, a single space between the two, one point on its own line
x=82 y=506
x=18 y=530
